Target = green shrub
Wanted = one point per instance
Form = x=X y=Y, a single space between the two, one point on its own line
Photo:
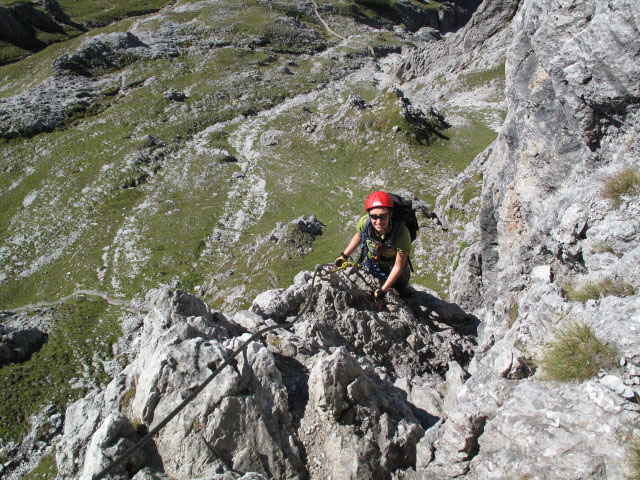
x=595 y=290
x=376 y=3
x=633 y=457
x=627 y=182
x=604 y=247
x=577 y=354
x=45 y=470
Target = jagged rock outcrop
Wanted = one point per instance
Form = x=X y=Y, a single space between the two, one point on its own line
x=347 y=392
x=99 y=54
x=544 y=223
x=81 y=78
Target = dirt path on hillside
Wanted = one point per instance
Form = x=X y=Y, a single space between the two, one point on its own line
x=126 y=304
x=333 y=32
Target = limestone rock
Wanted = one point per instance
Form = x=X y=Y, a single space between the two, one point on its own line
x=98 y=54
x=112 y=438
x=542 y=221
x=277 y=304
x=330 y=383
x=568 y=441
x=352 y=402
x=243 y=410
x=18 y=345
x=288 y=35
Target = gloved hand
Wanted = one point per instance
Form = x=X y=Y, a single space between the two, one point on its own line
x=341 y=259
x=378 y=295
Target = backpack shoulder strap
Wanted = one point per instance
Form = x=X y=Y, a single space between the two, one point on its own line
x=395 y=233
x=396 y=230
x=366 y=233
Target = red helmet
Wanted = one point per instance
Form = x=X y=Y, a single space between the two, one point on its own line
x=378 y=199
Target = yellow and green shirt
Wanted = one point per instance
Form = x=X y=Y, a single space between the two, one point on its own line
x=387 y=253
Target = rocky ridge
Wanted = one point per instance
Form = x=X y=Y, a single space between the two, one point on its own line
x=356 y=392
x=347 y=392
x=544 y=224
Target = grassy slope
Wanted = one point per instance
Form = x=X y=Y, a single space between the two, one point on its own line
x=64 y=369
x=67 y=223
x=357 y=146
x=83 y=12
x=66 y=218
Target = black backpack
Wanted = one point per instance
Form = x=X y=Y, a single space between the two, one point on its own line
x=403 y=211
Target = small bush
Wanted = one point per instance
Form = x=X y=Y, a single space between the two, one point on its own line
x=577 y=354
x=633 y=457
x=599 y=289
x=45 y=470
x=604 y=247
x=513 y=313
x=376 y=3
x=627 y=182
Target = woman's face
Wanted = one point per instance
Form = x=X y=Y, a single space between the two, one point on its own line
x=380 y=218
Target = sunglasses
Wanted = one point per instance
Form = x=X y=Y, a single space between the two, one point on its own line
x=384 y=216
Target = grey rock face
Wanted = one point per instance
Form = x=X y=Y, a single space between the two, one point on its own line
x=554 y=123
x=368 y=430
x=98 y=54
x=115 y=435
x=489 y=24
x=557 y=423
x=247 y=430
x=545 y=224
x=352 y=387
x=22 y=115
x=82 y=77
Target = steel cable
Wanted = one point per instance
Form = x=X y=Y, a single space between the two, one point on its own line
x=140 y=443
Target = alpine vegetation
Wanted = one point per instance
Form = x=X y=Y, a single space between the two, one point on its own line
x=577 y=354
x=204 y=273
x=593 y=290
x=625 y=183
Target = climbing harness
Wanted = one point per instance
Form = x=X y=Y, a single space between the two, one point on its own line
x=194 y=394
x=370 y=262
x=371 y=265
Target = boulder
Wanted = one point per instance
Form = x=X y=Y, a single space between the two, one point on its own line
x=18 y=345
x=99 y=54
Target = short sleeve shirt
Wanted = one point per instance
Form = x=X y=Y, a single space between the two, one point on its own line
x=402 y=245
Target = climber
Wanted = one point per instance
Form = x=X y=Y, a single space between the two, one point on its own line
x=385 y=245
